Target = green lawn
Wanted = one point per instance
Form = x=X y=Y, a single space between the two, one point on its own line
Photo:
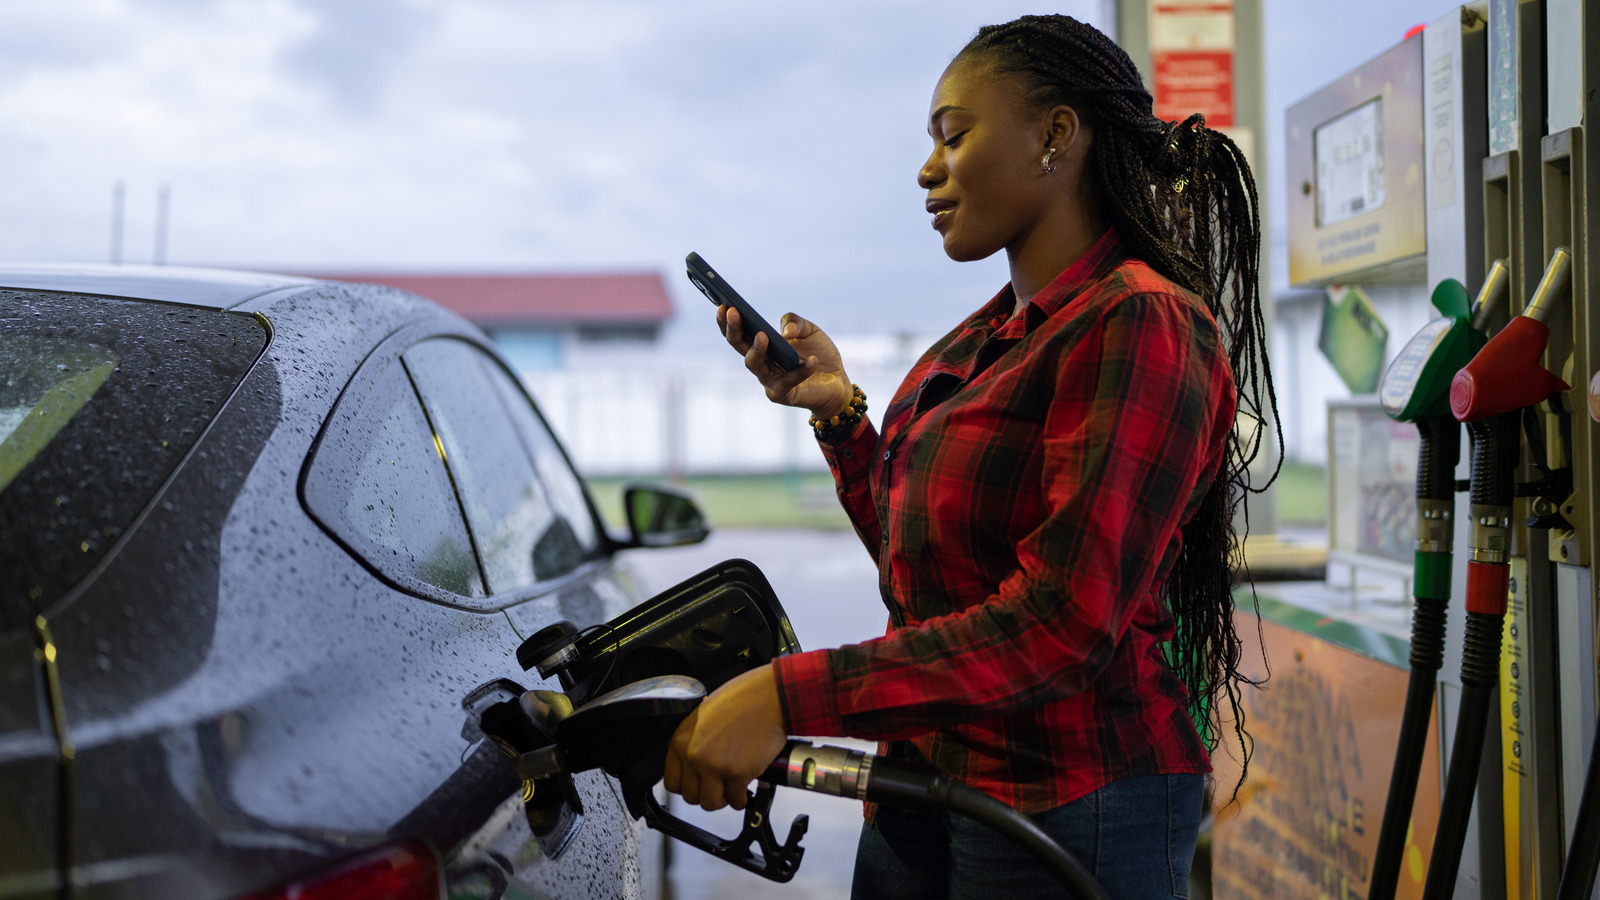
x=808 y=501
x=744 y=501
x=1302 y=494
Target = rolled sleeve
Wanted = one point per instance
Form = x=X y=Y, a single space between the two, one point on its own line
x=806 y=693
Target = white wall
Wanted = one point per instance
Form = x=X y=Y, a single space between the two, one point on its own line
x=647 y=416
x=1304 y=378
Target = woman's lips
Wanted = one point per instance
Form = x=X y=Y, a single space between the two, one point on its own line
x=941 y=210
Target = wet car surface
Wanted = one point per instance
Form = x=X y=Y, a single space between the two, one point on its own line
x=266 y=545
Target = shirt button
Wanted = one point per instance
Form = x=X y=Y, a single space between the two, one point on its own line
x=848 y=453
x=925 y=382
x=888 y=455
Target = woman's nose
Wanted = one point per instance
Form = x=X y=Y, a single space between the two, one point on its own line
x=932 y=173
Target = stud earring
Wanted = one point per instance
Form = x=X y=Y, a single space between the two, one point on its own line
x=1044 y=161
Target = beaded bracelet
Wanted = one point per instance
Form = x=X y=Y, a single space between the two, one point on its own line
x=837 y=427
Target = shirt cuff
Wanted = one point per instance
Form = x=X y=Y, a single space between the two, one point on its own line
x=850 y=458
x=806 y=693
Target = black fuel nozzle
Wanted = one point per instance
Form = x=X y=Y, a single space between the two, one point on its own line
x=625 y=733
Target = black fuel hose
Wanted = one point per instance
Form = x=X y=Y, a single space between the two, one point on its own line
x=905 y=785
x=1583 y=858
x=1436 y=464
x=1479 y=678
x=1495 y=445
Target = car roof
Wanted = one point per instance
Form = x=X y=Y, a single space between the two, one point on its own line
x=216 y=288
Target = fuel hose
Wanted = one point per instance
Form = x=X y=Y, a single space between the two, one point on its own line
x=1440 y=451
x=903 y=785
x=1495 y=444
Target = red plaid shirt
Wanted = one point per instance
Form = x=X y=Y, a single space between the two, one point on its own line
x=1023 y=503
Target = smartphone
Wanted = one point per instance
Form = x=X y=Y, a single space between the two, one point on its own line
x=721 y=293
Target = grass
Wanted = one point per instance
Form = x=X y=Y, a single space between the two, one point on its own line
x=1302 y=494
x=743 y=501
x=807 y=500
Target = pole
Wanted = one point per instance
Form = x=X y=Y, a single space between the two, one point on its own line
x=163 y=205
x=118 y=195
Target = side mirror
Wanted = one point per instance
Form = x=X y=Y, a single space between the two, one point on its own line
x=662 y=517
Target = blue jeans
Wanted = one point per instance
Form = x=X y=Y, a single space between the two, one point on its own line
x=1136 y=836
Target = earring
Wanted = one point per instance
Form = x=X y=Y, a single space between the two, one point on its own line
x=1044 y=161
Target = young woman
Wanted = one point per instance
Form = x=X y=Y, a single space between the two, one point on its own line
x=1050 y=497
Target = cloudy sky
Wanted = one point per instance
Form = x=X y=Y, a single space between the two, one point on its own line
x=780 y=140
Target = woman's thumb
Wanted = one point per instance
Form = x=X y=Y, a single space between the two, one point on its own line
x=795 y=327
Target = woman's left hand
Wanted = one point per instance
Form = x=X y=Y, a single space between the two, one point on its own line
x=727 y=742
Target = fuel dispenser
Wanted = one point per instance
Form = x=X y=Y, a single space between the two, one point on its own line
x=1508 y=86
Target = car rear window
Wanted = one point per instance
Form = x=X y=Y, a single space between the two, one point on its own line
x=99 y=400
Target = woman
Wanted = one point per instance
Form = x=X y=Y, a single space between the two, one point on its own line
x=1051 y=496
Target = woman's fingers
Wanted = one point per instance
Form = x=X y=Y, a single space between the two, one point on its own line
x=732 y=328
x=782 y=387
x=796 y=328
x=736 y=794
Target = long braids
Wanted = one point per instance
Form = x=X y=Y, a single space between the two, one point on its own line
x=1182 y=197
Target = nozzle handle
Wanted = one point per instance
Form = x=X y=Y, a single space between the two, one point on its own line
x=1492 y=294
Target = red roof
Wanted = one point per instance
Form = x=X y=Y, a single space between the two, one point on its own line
x=536 y=299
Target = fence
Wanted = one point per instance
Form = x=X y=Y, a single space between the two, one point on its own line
x=633 y=423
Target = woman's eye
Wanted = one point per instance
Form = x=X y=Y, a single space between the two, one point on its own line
x=955 y=139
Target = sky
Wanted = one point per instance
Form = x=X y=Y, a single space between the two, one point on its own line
x=779 y=140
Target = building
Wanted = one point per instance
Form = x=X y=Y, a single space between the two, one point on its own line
x=541 y=322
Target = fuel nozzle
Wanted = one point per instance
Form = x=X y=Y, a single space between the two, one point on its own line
x=1506 y=374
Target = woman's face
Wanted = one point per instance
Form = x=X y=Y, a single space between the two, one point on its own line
x=983 y=176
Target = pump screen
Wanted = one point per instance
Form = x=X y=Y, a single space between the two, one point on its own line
x=1349 y=157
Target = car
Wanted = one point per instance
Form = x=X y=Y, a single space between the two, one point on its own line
x=268 y=545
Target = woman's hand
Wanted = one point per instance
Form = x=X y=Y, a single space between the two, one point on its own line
x=818 y=383
x=727 y=742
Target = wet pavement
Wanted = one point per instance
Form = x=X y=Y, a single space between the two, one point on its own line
x=829 y=587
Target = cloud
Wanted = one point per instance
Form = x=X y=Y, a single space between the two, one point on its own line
x=356 y=46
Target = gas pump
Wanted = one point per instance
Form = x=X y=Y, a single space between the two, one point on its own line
x=1508 y=87
x=1416 y=388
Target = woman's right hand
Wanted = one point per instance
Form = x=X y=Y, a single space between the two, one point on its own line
x=819 y=383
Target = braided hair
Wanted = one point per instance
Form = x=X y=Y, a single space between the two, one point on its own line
x=1182 y=197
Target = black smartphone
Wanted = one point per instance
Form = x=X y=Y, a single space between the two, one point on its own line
x=719 y=292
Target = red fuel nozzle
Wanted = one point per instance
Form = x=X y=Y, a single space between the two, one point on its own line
x=1506 y=374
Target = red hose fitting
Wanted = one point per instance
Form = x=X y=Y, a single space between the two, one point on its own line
x=1506 y=374
x=1488 y=587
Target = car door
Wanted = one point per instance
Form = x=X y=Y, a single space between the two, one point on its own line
x=543 y=557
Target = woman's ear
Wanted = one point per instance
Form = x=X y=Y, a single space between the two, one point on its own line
x=1063 y=129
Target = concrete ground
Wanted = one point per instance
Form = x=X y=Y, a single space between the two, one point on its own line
x=829 y=587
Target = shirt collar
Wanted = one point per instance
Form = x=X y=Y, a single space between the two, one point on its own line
x=995 y=318
x=1101 y=257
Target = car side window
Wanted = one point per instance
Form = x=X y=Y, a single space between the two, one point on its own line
x=378 y=483
x=563 y=485
x=524 y=531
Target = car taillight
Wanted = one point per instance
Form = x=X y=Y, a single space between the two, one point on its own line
x=405 y=870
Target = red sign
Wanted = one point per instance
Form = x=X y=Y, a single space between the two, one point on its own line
x=1191 y=55
x=1187 y=83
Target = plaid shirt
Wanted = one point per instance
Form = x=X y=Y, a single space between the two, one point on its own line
x=1023 y=503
